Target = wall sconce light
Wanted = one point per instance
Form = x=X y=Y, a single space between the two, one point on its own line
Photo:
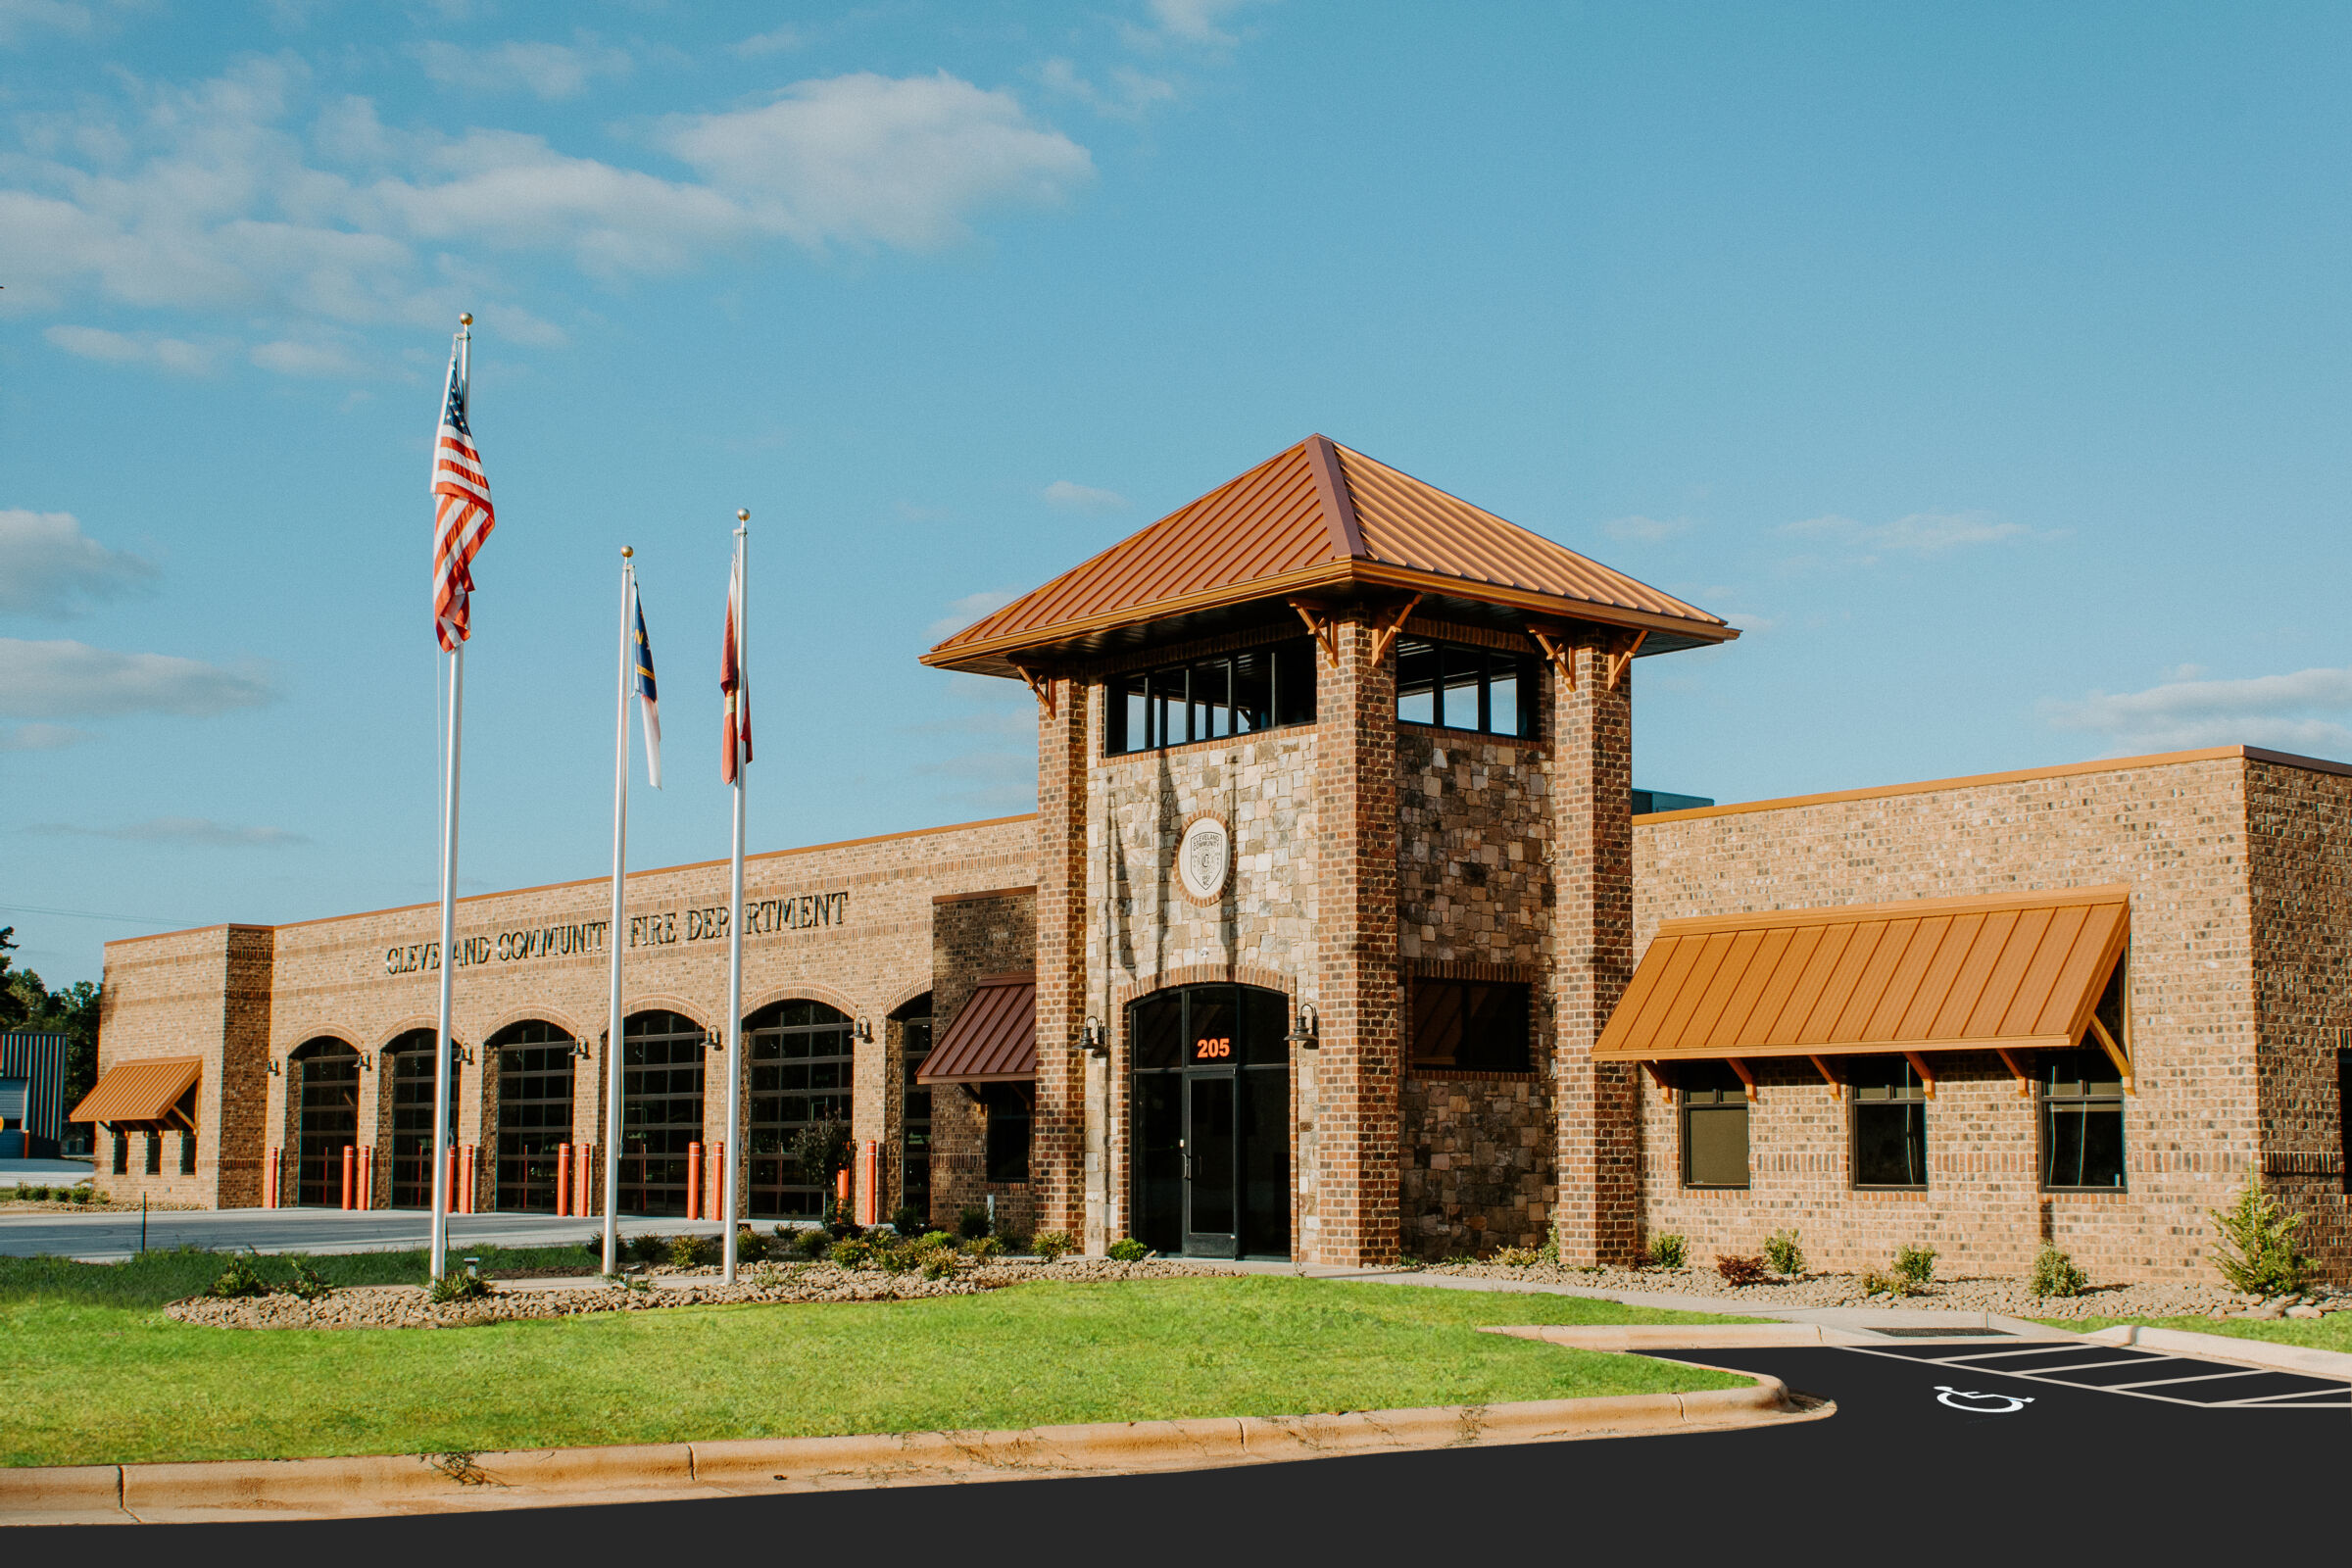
x=1098 y=1041
x=1302 y=1030
x=367 y=1061
x=714 y=1040
x=274 y=1068
x=464 y=1051
x=582 y=1049
x=863 y=1028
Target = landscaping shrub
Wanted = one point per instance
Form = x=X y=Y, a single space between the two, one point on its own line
x=983 y=1247
x=1052 y=1247
x=1127 y=1250
x=2257 y=1251
x=1892 y=1282
x=1741 y=1270
x=81 y=1194
x=456 y=1286
x=750 y=1246
x=34 y=1195
x=308 y=1282
x=648 y=1249
x=693 y=1252
x=1669 y=1251
x=240 y=1278
x=1915 y=1263
x=2055 y=1274
x=972 y=1223
x=813 y=1242
x=854 y=1253
x=1517 y=1256
x=1783 y=1253
x=907 y=1222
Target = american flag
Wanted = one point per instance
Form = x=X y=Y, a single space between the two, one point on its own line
x=461 y=515
x=643 y=684
x=733 y=680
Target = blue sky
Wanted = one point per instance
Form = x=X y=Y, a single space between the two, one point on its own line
x=1985 y=362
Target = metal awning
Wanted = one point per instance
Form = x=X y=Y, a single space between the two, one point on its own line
x=139 y=1091
x=993 y=1040
x=2001 y=973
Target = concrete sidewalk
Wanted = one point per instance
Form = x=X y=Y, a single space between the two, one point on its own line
x=111 y=1234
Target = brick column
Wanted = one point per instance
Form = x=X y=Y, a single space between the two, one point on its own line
x=1057 y=1136
x=1599 y=1214
x=1357 y=995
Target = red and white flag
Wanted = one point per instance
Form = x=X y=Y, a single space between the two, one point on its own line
x=734 y=682
x=462 y=513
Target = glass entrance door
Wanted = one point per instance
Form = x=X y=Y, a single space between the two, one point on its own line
x=1208 y=1175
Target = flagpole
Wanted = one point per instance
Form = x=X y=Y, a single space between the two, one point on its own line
x=735 y=909
x=615 y=1062
x=438 y=1261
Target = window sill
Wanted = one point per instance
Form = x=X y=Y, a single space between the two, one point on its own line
x=1243 y=739
x=1482 y=734
x=1897 y=1191
x=1475 y=1076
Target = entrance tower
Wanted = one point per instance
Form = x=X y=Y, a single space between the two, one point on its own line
x=1333 y=873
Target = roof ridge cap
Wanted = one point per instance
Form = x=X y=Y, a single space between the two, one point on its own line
x=1339 y=504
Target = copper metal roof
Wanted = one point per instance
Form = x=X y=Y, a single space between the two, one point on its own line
x=1321 y=518
x=1936 y=974
x=993 y=1040
x=139 y=1091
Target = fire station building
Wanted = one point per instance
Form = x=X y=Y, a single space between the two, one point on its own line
x=1336 y=937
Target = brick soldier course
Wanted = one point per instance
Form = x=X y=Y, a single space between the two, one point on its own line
x=1371 y=856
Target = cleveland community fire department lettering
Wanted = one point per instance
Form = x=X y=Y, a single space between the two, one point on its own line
x=807 y=912
x=535 y=942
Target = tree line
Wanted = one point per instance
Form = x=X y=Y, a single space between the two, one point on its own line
x=70 y=1010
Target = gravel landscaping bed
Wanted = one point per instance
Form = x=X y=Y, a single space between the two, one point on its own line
x=404 y=1306
x=2008 y=1297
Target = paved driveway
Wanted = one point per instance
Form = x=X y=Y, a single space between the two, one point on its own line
x=111 y=1235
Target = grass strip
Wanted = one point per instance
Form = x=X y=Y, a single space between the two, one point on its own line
x=152 y=1279
x=95 y=1383
x=2330 y=1333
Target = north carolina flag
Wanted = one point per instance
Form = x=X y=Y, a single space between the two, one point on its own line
x=734 y=680
x=643 y=684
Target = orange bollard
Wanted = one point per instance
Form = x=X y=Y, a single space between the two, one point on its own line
x=449 y=1189
x=718 y=1183
x=470 y=1167
x=583 y=1186
x=367 y=1176
x=694 y=1181
x=350 y=1170
x=869 y=1185
x=269 y=1181
x=563 y=1178
x=841 y=1193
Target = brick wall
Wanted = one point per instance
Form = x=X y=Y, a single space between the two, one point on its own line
x=2175 y=832
x=973 y=938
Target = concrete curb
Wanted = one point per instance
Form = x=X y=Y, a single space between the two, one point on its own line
x=380 y=1484
x=2229 y=1348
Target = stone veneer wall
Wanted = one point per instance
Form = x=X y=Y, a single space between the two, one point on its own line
x=974 y=936
x=2299 y=838
x=2176 y=833
x=351 y=979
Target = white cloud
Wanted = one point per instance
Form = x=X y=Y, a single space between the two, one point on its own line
x=2303 y=712
x=1196 y=21
x=74 y=680
x=19 y=17
x=970 y=607
x=51 y=568
x=315 y=359
x=1919 y=533
x=197 y=830
x=177 y=354
x=548 y=70
x=772 y=42
x=1646 y=530
x=42 y=737
x=1130 y=95
x=864 y=158
x=1082 y=497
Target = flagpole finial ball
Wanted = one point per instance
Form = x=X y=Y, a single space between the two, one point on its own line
x=626 y=552
x=743 y=515
x=465 y=319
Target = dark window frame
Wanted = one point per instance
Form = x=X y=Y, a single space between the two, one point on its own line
x=1507 y=1045
x=122 y=1152
x=1459 y=666
x=155 y=1152
x=1006 y=1157
x=1165 y=698
x=800 y=1070
x=1906 y=1092
x=1713 y=1090
x=2064 y=1088
x=188 y=1154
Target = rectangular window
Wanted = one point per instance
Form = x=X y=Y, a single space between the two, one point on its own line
x=155 y=1153
x=1714 y=1115
x=1212 y=698
x=1454 y=686
x=121 y=1154
x=1470 y=1025
x=1008 y=1106
x=1891 y=1123
x=188 y=1154
x=2082 y=1122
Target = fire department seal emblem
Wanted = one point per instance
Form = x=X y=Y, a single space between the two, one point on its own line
x=1205 y=859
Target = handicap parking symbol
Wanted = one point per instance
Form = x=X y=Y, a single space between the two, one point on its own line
x=1979 y=1403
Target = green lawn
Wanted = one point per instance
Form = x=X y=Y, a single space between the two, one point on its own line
x=97 y=1375
x=2330 y=1333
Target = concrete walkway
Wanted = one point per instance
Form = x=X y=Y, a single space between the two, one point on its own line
x=43 y=1172
x=111 y=1234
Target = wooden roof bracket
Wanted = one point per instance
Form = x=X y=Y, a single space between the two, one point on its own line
x=2115 y=1052
x=1040 y=686
x=2024 y=1079
x=1836 y=1083
x=1746 y=1077
x=1318 y=622
x=1562 y=656
x=1657 y=1075
x=1919 y=1066
x=1619 y=660
x=1385 y=628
